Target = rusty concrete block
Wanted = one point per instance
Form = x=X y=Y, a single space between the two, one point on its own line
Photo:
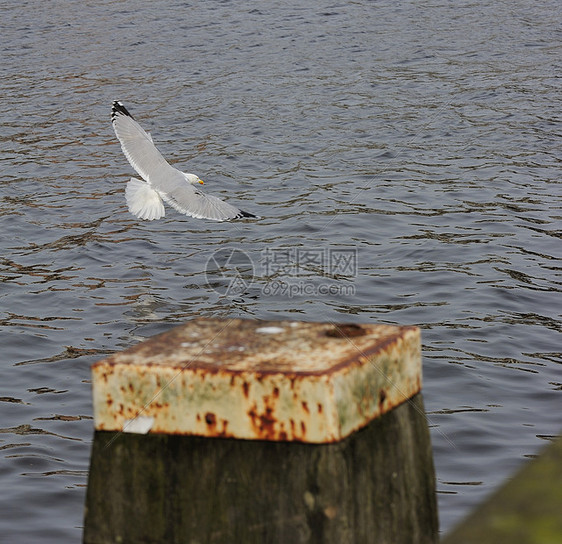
x=258 y=380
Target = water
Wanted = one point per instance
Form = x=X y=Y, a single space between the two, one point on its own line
x=423 y=139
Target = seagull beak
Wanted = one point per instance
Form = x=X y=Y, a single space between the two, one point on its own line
x=201 y=182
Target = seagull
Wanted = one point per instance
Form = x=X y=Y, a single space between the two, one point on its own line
x=161 y=180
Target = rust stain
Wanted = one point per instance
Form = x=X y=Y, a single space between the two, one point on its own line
x=224 y=431
x=345 y=331
x=163 y=348
x=288 y=384
x=264 y=423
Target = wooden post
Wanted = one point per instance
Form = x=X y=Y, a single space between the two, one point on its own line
x=262 y=432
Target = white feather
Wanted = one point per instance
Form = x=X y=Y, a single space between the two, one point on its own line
x=143 y=201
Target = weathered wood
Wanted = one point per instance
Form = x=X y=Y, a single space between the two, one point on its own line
x=376 y=486
x=526 y=510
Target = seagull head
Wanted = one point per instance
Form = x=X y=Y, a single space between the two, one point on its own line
x=192 y=178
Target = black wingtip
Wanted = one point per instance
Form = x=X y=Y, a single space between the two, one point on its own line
x=248 y=215
x=119 y=109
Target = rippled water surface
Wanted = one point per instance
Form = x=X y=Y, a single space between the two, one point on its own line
x=421 y=139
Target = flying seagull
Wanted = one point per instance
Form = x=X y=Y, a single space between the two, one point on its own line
x=161 y=180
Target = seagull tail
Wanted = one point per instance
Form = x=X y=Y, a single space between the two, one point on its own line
x=143 y=201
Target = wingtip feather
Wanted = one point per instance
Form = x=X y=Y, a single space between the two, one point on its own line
x=247 y=215
x=118 y=108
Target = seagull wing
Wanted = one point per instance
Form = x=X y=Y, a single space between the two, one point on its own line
x=137 y=145
x=187 y=199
